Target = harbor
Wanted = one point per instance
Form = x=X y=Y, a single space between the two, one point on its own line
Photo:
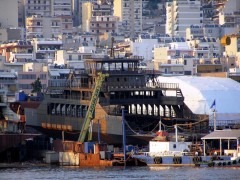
x=119 y=89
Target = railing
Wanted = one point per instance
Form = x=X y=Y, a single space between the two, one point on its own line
x=165 y=153
x=66 y=83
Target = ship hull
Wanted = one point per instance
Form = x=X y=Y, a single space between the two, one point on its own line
x=114 y=139
x=179 y=160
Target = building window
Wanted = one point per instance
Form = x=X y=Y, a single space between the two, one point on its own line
x=38 y=23
x=79 y=57
x=43 y=76
x=185 y=62
x=70 y=57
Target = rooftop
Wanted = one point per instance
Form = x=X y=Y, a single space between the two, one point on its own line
x=223 y=134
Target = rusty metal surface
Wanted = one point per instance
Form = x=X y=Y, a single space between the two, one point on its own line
x=68 y=146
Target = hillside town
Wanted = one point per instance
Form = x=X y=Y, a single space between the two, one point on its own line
x=177 y=61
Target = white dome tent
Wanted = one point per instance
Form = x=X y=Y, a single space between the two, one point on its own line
x=200 y=92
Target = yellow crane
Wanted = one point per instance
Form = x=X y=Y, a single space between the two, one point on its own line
x=89 y=115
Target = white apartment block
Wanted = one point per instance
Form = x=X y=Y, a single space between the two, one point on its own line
x=143 y=47
x=130 y=16
x=62 y=7
x=71 y=59
x=196 y=32
x=229 y=15
x=44 y=49
x=181 y=14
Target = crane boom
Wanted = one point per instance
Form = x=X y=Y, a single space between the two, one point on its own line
x=101 y=77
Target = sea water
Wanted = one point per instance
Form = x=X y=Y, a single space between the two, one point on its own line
x=119 y=173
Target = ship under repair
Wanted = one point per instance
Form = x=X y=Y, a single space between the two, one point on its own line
x=68 y=97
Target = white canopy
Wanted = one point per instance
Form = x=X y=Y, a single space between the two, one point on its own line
x=200 y=92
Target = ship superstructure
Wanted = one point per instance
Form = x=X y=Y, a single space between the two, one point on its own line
x=68 y=97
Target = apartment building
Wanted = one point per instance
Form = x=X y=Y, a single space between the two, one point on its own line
x=48 y=7
x=17 y=51
x=181 y=14
x=168 y=54
x=196 y=32
x=44 y=49
x=38 y=7
x=11 y=34
x=9 y=13
x=208 y=49
x=71 y=59
x=143 y=46
x=103 y=24
x=229 y=15
x=8 y=84
x=91 y=12
x=130 y=16
x=51 y=8
x=47 y=27
x=31 y=71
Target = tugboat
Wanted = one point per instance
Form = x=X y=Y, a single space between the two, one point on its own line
x=163 y=152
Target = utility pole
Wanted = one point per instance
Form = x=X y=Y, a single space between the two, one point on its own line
x=124 y=136
x=176 y=132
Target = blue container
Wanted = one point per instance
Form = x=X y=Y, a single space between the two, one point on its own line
x=89 y=147
x=129 y=148
x=22 y=96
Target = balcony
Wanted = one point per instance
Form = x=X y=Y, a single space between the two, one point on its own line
x=9 y=81
x=34 y=25
x=43 y=50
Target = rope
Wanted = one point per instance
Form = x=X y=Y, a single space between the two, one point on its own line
x=193 y=123
x=150 y=132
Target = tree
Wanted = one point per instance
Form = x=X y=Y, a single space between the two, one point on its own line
x=36 y=86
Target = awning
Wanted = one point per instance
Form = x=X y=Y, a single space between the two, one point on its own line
x=223 y=134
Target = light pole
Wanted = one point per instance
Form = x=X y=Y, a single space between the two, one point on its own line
x=124 y=136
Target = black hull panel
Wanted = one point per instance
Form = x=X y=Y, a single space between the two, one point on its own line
x=140 y=140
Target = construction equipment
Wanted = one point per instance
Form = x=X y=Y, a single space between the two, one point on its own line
x=87 y=121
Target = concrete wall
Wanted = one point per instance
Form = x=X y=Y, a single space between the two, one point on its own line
x=9 y=13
